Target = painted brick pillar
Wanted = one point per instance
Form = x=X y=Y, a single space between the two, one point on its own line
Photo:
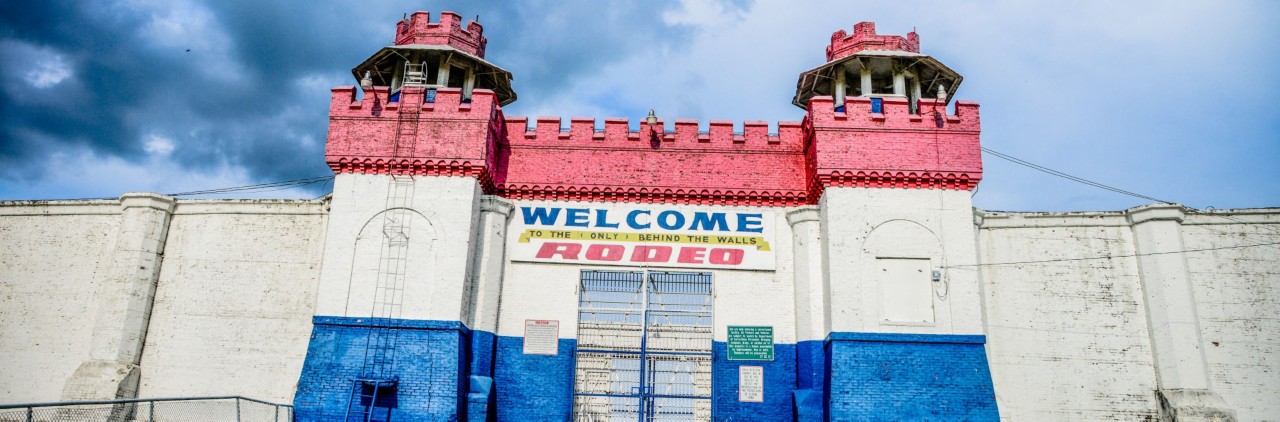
x=1181 y=370
x=488 y=263
x=124 y=304
x=811 y=311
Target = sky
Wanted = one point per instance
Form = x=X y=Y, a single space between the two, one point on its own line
x=1172 y=100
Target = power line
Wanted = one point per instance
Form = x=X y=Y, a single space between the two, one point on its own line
x=261 y=187
x=258 y=188
x=1100 y=185
x=1038 y=167
x=1112 y=256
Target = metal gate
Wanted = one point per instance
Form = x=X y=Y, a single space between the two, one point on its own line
x=644 y=347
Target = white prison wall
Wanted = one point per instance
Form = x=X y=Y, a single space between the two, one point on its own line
x=1063 y=298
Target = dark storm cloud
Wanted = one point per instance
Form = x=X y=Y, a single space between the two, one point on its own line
x=252 y=92
x=550 y=43
x=81 y=110
x=239 y=104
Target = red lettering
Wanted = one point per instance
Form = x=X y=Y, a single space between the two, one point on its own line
x=651 y=254
x=722 y=256
x=692 y=255
x=598 y=252
x=566 y=250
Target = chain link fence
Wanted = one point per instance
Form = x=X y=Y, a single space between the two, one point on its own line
x=196 y=409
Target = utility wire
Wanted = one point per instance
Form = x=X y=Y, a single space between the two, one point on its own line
x=261 y=187
x=1038 y=167
x=1097 y=184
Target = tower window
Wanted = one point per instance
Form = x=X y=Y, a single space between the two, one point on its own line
x=882 y=83
x=456 y=76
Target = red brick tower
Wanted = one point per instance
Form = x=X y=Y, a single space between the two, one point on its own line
x=892 y=171
x=412 y=157
x=878 y=115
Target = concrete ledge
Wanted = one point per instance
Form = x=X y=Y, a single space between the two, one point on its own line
x=147 y=200
x=1156 y=212
x=103 y=380
x=803 y=214
x=908 y=338
x=1189 y=404
x=1000 y=219
x=251 y=207
x=389 y=323
x=73 y=207
x=490 y=203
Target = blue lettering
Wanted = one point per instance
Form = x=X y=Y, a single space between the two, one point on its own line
x=711 y=221
x=540 y=215
x=664 y=223
x=633 y=222
x=750 y=223
x=602 y=219
x=576 y=217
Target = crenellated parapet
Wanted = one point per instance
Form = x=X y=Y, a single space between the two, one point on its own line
x=894 y=148
x=446 y=136
x=864 y=37
x=418 y=29
x=616 y=132
x=608 y=161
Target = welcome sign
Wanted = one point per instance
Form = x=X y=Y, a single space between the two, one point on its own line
x=644 y=236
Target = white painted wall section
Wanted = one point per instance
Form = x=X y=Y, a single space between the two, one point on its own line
x=437 y=287
x=1237 y=292
x=233 y=307
x=861 y=226
x=52 y=260
x=1066 y=335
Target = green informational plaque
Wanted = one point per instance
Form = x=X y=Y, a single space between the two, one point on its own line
x=750 y=343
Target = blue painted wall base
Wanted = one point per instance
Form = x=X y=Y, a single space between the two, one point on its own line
x=448 y=372
x=432 y=359
x=779 y=383
x=874 y=376
x=533 y=387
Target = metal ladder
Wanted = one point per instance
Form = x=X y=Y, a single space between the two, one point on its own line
x=378 y=377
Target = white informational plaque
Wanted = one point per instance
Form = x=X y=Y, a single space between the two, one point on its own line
x=541 y=337
x=751 y=384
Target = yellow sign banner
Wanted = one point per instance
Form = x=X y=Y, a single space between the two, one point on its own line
x=705 y=239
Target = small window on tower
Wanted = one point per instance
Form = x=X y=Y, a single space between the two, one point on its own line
x=433 y=74
x=882 y=83
x=456 y=76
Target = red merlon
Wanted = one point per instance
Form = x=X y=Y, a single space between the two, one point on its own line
x=864 y=38
x=895 y=149
x=419 y=29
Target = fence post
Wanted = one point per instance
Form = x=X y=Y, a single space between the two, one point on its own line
x=237 y=409
x=30 y=414
x=151 y=411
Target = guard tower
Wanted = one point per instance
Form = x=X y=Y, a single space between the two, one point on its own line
x=893 y=172
x=390 y=336
x=865 y=64
x=435 y=55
